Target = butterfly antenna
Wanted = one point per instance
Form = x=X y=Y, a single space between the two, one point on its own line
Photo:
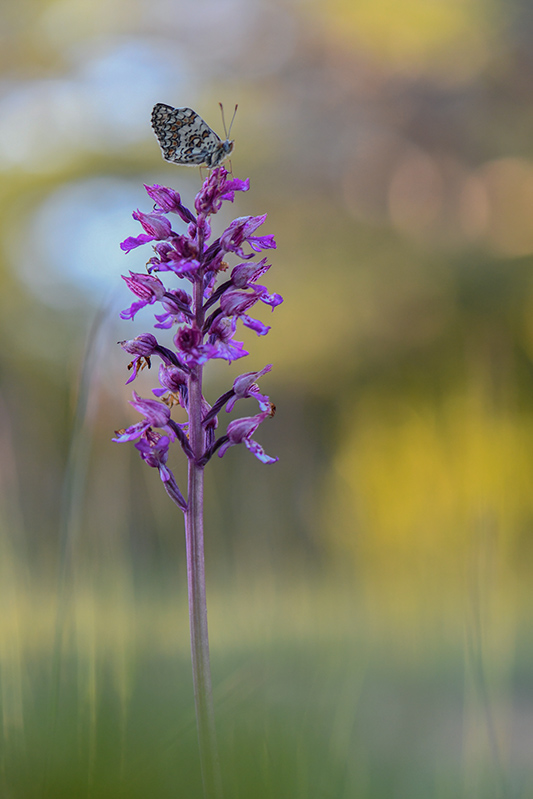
x=232 y=119
x=226 y=131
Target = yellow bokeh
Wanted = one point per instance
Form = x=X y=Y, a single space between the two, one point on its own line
x=447 y=38
x=430 y=504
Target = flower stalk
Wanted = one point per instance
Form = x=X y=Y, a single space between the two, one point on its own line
x=206 y=323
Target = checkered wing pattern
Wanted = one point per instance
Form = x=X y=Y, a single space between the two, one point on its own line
x=186 y=139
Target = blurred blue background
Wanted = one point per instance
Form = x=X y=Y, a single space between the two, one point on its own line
x=370 y=594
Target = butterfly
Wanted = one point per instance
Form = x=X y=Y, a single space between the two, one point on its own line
x=186 y=139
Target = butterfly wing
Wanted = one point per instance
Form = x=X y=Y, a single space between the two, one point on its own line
x=186 y=139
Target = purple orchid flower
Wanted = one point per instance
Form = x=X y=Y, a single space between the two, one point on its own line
x=156 y=227
x=240 y=431
x=204 y=321
x=245 y=386
x=156 y=414
x=241 y=231
x=168 y=201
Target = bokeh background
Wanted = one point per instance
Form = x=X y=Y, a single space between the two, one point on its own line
x=369 y=595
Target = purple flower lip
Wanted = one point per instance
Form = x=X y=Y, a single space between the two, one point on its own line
x=221 y=343
x=240 y=432
x=135 y=241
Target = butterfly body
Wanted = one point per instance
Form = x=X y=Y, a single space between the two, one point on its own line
x=186 y=139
